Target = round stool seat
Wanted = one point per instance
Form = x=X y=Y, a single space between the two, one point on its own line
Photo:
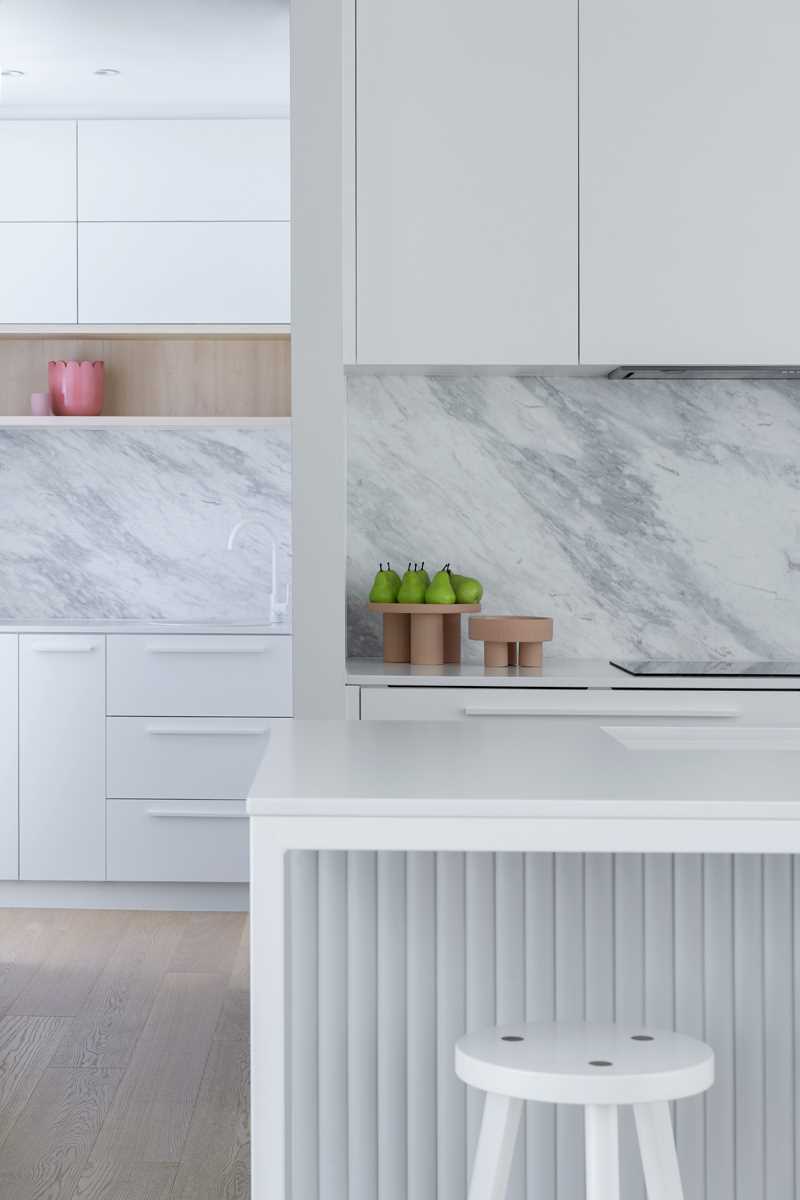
x=584 y=1063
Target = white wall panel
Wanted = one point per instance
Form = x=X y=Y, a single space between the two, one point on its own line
x=393 y=956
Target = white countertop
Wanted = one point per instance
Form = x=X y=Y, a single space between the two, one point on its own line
x=556 y=673
x=482 y=769
x=145 y=626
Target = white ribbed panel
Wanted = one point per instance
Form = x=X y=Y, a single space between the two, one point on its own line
x=393 y=956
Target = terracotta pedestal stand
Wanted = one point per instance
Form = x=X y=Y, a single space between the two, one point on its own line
x=511 y=641
x=427 y=635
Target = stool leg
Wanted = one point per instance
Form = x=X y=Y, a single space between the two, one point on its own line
x=602 y=1152
x=496 y=1141
x=657 y=1147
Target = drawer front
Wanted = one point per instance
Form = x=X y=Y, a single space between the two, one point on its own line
x=190 y=842
x=233 y=675
x=542 y=706
x=202 y=758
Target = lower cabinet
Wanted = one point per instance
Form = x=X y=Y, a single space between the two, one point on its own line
x=62 y=787
x=178 y=841
x=9 y=805
x=542 y=707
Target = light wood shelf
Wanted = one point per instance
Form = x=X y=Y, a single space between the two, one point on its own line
x=205 y=378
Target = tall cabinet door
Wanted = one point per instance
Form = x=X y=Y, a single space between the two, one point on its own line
x=466 y=182
x=62 y=757
x=38 y=235
x=9 y=830
x=690 y=177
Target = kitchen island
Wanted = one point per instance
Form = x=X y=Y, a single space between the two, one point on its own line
x=485 y=787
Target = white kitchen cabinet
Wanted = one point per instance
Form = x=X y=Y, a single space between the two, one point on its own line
x=38 y=273
x=38 y=171
x=62 y=757
x=466 y=182
x=689 y=182
x=543 y=707
x=204 y=758
x=178 y=842
x=9 y=827
x=183 y=170
x=192 y=272
x=210 y=675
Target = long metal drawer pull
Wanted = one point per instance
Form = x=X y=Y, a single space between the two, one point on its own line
x=155 y=648
x=599 y=711
x=192 y=814
x=64 y=648
x=208 y=731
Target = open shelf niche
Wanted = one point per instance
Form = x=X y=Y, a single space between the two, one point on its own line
x=163 y=377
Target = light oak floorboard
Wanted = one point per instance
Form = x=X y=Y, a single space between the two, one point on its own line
x=83 y=944
x=209 y=943
x=108 y=1027
x=144 y=1093
x=141 y=1181
x=26 y=936
x=234 y=1021
x=216 y=1158
x=153 y=1108
x=26 y=1047
x=45 y=1151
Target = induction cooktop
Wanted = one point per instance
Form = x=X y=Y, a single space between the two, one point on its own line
x=730 y=669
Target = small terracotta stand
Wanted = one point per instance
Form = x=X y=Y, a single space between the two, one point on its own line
x=502 y=635
x=427 y=635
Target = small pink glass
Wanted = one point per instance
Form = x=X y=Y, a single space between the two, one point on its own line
x=76 y=388
x=40 y=404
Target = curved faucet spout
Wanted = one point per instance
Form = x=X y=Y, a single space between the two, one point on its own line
x=233 y=535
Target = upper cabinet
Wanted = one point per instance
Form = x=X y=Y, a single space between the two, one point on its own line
x=466 y=183
x=37 y=160
x=221 y=170
x=145 y=222
x=690 y=177
x=38 y=245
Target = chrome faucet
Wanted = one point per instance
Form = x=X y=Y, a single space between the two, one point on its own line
x=278 y=606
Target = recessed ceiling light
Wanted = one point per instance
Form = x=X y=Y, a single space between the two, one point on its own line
x=108 y=71
x=10 y=73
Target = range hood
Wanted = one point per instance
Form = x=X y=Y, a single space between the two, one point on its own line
x=785 y=373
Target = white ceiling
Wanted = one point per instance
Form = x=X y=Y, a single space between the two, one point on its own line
x=176 y=57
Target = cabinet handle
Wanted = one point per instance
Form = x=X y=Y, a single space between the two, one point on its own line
x=192 y=814
x=156 y=648
x=64 y=648
x=599 y=711
x=208 y=731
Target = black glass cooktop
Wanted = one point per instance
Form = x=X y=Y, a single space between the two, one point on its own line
x=663 y=666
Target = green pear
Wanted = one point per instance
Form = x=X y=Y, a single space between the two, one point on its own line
x=395 y=577
x=440 y=590
x=384 y=589
x=467 y=589
x=423 y=574
x=412 y=588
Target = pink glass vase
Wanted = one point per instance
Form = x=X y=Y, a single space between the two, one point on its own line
x=76 y=388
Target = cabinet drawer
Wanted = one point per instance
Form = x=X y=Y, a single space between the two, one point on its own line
x=204 y=758
x=542 y=706
x=188 y=842
x=184 y=273
x=210 y=676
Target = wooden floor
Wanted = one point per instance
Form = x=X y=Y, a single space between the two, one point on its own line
x=124 y=1069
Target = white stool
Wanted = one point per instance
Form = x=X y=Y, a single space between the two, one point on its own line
x=597 y=1066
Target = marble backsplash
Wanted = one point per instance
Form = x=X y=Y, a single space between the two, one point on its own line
x=648 y=518
x=133 y=523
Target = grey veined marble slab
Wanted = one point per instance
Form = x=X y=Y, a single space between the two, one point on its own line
x=650 y=519
x=132 y=524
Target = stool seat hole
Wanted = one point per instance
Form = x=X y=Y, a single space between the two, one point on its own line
x=642 y=1037
x=600 y=1062
x=511 y=1037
